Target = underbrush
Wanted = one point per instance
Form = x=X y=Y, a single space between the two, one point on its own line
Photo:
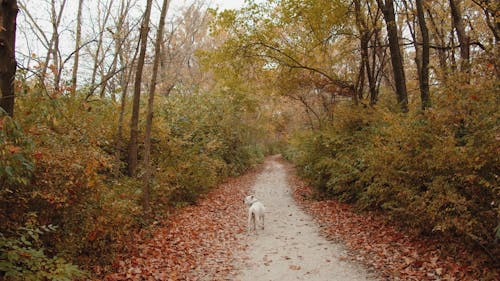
x=62 y=166
x=434 y=171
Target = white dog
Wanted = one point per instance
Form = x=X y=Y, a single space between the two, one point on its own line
x=255 y=212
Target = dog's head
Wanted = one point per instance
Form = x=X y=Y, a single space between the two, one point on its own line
x=249 y=200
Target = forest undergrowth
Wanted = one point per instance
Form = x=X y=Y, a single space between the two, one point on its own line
x=435 y=173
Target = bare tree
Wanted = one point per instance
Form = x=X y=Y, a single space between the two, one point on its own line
x=366 y=66
x=56 y=16
x=8 y=16
x=74 y=76
x=99 y=56
x=51 y=45
x=149 y=118
x=134 y=121
x=124 y=80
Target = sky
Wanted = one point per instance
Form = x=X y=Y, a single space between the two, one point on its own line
x=229 y=4
x=28 y=44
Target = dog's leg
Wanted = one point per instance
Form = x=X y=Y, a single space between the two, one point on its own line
x=254 y=222
x=249 y=225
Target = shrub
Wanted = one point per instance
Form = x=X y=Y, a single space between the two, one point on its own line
x=59 y=161
x=435 y=171
x=23 y=258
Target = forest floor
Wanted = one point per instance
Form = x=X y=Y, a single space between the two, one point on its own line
x=304 y=239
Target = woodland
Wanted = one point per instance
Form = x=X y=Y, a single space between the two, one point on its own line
x=116 y=113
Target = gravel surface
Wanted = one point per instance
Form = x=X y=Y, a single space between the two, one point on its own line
x=290 y=247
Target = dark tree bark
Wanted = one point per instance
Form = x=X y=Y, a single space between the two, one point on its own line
x=364 y=38
x=423 y=76
x=360 y=83
x=134 y=122
x=396 y=57
x=8 y=64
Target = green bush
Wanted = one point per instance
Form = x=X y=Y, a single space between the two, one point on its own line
x=62 y=157
x=436 y=171
x=23 y=258
x=59 y=161
x=16 y=168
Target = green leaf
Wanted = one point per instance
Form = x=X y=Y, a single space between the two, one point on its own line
x=25 y=241
x=9 y=171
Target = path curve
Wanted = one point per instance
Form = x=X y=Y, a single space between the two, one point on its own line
x=290 y=248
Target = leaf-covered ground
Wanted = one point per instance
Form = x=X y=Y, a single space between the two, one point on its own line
x=200 y=242
x=197 y=243
x=396 y=255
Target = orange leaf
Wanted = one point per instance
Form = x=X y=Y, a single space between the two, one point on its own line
x=14 y=149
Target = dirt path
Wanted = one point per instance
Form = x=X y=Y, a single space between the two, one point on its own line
x=207 y=241
x=290 y=248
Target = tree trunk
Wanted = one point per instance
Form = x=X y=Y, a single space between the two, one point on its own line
x=8 y=65
x=55 y=48
x=56 y=21
x=149 y=119
x=439 y=40
x=124 y=83
x=360 y=83
x=423 y=76
x=462 y=37
x=363 y=48
x=74 y=76
x=364 y=40
x=371 y=79
x=134 y=122
x=396 y=57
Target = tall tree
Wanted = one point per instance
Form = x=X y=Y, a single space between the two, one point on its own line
x=78 y=37
x=439 y=39
x=365 y=35
x=99 y=56
x=396 y=57
x=463 y=39
x=134 y=121
x=423 y=76
x=8 y=16
x=56 y=21
x=149 y=118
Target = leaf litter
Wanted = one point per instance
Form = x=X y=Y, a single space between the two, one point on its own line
x=196 y=243
x=199 y=242
x=395 y=254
